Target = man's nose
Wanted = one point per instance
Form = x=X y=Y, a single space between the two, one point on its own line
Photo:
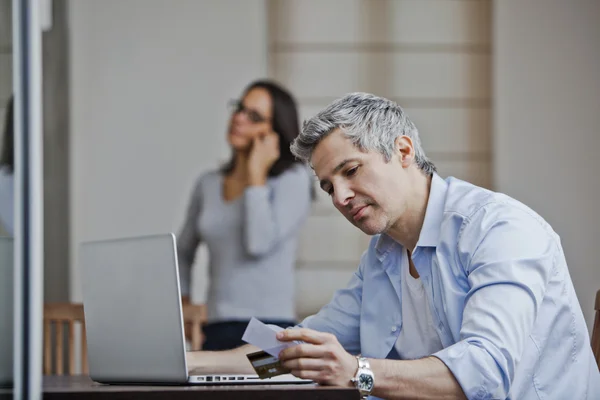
x=342 y=196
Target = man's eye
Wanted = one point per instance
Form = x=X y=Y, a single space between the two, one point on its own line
x=352 y=171
x=329 y=191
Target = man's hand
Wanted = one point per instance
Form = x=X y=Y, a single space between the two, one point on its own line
x=321 y=359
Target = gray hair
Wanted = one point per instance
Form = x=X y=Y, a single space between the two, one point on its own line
x=369 y=121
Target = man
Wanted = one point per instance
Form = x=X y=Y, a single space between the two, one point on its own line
x=462 y=292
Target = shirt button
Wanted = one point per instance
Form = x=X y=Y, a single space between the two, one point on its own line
x=394 y=328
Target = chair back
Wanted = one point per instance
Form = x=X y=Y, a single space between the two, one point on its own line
x=57 y=317
x=194 y=316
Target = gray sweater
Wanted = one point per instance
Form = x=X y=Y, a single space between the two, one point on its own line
x=252 y=243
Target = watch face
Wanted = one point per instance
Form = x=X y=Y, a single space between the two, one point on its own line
x=365 y=382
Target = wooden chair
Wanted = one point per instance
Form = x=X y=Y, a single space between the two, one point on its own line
x=59 y=315
x=596 y=330
x=194 y=316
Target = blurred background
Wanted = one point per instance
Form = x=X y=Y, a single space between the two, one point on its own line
x=506 y=95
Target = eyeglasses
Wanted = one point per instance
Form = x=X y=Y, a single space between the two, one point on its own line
x=237 y=106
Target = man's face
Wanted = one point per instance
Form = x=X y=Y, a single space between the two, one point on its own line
x=368 y=191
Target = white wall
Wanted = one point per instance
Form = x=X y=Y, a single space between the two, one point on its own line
x=547 y=122
x=150 y=81
x=432 y=56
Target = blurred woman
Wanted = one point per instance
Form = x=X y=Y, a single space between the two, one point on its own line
x=7 y=164
x=250 y=213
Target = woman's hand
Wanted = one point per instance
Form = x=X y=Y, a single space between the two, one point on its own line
x=264 y=153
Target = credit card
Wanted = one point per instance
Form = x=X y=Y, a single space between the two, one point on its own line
x=265 y=365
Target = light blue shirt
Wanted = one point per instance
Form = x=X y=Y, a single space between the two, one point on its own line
x=500 y=293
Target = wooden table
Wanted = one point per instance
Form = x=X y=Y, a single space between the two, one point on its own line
x=82 y=387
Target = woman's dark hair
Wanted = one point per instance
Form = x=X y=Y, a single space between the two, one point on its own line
x=285 y=123
x=8 y=154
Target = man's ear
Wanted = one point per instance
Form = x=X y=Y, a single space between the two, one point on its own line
x=404 y=149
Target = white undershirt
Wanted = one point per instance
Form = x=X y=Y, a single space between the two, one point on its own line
x=418 y=337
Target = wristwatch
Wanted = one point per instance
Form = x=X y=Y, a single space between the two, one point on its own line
x=364 y=380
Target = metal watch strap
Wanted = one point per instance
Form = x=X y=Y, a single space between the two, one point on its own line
x=363 y=362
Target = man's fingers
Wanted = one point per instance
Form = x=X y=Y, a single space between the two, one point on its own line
x=304 y=350
x=304 y=335
x=304 y=364
x=306 y=374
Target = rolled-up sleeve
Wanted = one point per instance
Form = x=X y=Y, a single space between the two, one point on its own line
x=509 y=256
x=272 y=212
x=341 y=316
x=189 y=239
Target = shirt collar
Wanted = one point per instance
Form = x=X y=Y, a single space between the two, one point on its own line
x=430 y=231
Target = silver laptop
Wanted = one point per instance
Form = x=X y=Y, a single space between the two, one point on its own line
x=6 y=311
x=133 y=315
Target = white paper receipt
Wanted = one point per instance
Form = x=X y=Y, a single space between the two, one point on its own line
x=263 y=336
